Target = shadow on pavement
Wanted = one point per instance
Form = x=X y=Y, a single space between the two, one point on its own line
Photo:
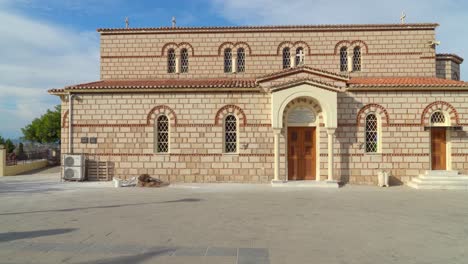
x=134 y=258
x=10 y=236
x=185 y=200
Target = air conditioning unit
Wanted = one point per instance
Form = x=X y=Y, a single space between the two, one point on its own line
x=73 y=167
x=73 y=173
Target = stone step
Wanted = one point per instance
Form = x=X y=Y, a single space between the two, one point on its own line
x=441 y=173
x=437 y=186
x=305 y=184
x=422 y=181
x=443 y=178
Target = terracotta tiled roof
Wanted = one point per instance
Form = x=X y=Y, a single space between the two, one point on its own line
x=162 y=84
x=449 y=56
x=278 y=27
x=405 y=82
x=299 y=69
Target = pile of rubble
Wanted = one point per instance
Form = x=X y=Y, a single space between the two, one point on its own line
x=143 y=180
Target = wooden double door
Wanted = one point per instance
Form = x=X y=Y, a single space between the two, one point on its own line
x=439 y=148
x=301 y=153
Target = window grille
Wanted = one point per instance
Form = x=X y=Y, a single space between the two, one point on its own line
x=171 y=61
x=371 y=133
x=344 y=59
x=286 y=58
x=298 y=51
x=230 y=131
x=162 y=126
x=227 y=61
x=438 y=118
x=184 y=60
x=240 y=60
x=357 y=59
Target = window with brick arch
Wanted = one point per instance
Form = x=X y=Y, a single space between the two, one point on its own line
x=227 y=60
x=372 y=133
x=286 y=58
x=344 y=59
x=298 y=52
x=240 y=60
x=357 y=59
x=230 y=134
x=184 y=61
x=162 y=134
x=171 y=61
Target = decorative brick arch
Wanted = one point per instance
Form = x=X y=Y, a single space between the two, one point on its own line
x=65 y=120
x=352 y=45
x=373 y=108
x=177 y=47
x=161 y=110
x=234 y=47
x=293 y=46
x=439 y=106
x=230 y=109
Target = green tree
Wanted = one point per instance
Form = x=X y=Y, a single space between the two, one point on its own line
x=20 y=150
x=10 y=147
x=2 y=141
x=45 y=129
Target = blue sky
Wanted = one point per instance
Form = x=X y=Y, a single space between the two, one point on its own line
x=52 y=43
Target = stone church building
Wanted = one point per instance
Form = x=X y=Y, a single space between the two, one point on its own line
x=271 y=103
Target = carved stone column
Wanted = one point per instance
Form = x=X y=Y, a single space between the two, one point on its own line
x=277 y=133
x=331 y=135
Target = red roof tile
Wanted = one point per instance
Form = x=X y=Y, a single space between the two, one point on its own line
x=405 y=82
x=162 y=84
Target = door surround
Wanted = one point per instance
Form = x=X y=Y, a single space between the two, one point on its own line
x=438 y=124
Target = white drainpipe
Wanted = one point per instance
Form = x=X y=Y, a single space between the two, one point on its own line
x=70 y=120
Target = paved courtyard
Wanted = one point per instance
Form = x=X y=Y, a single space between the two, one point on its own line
x=45 y=221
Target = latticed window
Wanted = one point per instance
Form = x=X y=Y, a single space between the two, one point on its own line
x=240 y=60
x=299 y=55
x=371 y=133
x=171 y=61
x=438 y=118
x=184 y=60
x=286 y=58
x=230 y=134
x=162 y=138
x=344 y=59
x=357 y=59
x=227 y=60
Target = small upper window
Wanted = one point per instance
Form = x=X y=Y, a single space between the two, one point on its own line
x=286 y=58
x=230 y=134
x=171 y=61
x=240 y=60
x=184 y=60
x=299 y=56
x=344 y=59
x=372 y=133
x=357 y=59
x=227 y=60
x=438 y=118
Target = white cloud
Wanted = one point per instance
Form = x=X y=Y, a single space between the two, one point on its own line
x=37 y=56
x=452 y=15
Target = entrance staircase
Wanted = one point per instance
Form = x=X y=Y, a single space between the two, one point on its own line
x=441 y=180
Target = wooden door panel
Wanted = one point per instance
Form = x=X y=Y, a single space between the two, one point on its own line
x=438 y=149
x=301 y=153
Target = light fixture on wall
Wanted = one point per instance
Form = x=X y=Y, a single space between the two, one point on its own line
x=245 y=146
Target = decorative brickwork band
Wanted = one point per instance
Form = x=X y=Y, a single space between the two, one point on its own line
x=293 y=46
x=439 y=106
x=177 y=47
x=351 y=44
x=65 y=120
x=375 y=108
x=161 y=110
x=231 y=109
x=234 y=47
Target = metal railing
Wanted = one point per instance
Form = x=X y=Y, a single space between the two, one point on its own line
x=52 y=155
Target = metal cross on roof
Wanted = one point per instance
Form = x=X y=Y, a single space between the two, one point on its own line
x=403 y=17
x=127 y=23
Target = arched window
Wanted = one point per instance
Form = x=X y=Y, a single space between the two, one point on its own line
x=372 y=137
x=437 y=118
x=286 y=58
x=230 y=134
x=299 y=53
x=240 y=60
x=357 y=59
x=162 y=134
x=184 y=60
x=227 y=60
x=344 y=59
x=171 y=61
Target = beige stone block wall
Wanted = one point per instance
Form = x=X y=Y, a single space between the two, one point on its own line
x=384 y=53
